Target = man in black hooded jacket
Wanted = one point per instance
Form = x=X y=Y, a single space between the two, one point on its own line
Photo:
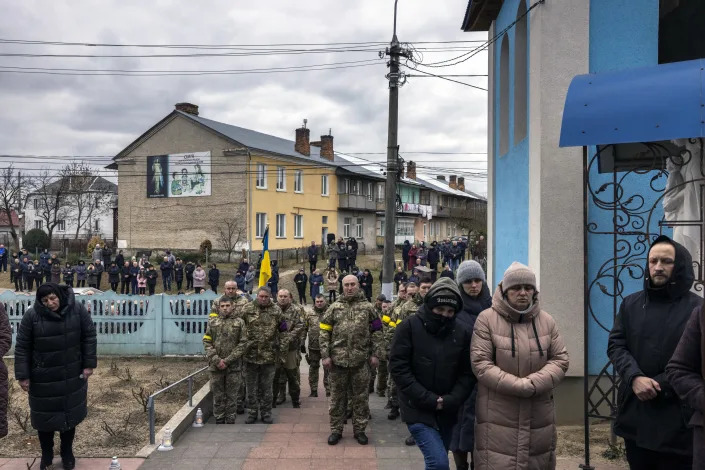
x=650 y=416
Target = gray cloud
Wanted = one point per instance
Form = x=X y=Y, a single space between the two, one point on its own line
x=62 y=115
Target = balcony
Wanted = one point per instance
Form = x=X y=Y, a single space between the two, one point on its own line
x=441 y=211
x=356 y=202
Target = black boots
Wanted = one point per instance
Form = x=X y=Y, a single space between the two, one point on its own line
x=361 y=438
x=393 y=413
x=334 y=438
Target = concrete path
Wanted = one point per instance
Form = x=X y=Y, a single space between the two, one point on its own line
x=81 y=464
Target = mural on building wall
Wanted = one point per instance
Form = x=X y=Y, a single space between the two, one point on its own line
x=179 y=175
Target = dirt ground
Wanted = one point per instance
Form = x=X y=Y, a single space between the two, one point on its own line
x=117 y=423
x=571 y=443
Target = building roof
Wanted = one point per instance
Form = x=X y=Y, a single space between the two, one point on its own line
x=366 y=169
x=98 y=184
x=253 y=140
x=259 y=140
x=4 y=222
x=442 y=186
x=480 y=14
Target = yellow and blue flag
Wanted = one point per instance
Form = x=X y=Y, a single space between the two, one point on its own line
x=265 y=270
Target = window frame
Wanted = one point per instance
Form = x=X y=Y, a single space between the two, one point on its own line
x=260 y=227
x=347 y=221
x=298 y=181
x=39 y=224
x=325 y=185
x=359 y=227
x=280 y=228
x=281 y=178
x=261 y=171
x=298 y=226
x=61 y=225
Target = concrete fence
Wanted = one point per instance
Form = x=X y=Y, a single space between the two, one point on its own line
x=135 y=325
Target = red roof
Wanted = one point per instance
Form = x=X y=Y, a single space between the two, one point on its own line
x=5 y=223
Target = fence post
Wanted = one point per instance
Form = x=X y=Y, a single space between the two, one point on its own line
x=190 y=391
x=159 y=309
x=150 y=408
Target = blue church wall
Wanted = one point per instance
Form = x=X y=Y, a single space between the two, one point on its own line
x=621 y=36
x=511 y=170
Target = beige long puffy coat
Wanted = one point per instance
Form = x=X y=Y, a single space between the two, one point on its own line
x=515 y=418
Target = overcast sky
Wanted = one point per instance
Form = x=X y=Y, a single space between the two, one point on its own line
x=99 y=115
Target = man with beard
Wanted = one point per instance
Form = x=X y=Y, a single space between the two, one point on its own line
x=645 y=334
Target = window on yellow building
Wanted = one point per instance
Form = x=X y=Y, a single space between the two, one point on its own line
x=261 y=181
x=298 y=226
x=281 y=225
x=281 y=178
x=260 y=224
x=324 y=185
x=298 y=181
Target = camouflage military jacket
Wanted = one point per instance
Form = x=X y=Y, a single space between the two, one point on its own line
x=225 y=338
x=263 y=330
x=296 y=325
x=351 y=332
x=390 y=322
x=239 y=304
x=410 y=307
x=313 y=325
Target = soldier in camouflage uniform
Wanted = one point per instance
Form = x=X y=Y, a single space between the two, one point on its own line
x=239 y=303
x=406 y=290
x=313 y=357
x=288 y=367
x=382 y=368
x=266 y=329
x=350 y=338
x=225 y=342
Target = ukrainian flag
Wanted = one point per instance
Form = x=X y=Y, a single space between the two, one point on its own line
x=265 y=270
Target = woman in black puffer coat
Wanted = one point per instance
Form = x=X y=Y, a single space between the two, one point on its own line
x=55 y=354
x=476 y=298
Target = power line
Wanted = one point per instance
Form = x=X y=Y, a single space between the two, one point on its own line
x=211 y=46
x=450 y=79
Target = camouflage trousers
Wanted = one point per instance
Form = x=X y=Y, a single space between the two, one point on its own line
x=380 y=371
x=392 y=391
x=284 y=375
x=259 y=379
x=349 y=383
x=225 y=386
x=314 y=364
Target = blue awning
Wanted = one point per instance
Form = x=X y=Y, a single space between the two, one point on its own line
x=656 y=103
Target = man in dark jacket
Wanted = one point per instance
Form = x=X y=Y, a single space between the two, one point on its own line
x=405 y=248
x=476 y=297
x=429 y=364
x=644 y=336
x=54 y=356
x=433 y=257
x=300 y=280
x=686 y=372
x=166 y=268
x=312 y=253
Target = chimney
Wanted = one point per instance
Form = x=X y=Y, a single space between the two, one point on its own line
x=327 y=146
x=441 y=177
x=461 y=183
x=411 y=170
x=453 y=184
x=187 y=108
x=302 y=145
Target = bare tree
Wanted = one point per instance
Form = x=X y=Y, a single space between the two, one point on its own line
x=231 y=233
x=12 y=185
x=86 y=193
x=51 y=199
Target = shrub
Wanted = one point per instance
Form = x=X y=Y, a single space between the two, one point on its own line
x=92 y=243
x=206 y=245
x=36 y=240
x=186 y=256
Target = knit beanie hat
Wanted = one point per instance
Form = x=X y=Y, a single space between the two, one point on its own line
x=444 y=292
x=468 y=270
x=518 y=274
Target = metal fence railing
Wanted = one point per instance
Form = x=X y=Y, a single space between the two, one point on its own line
x=150 y=400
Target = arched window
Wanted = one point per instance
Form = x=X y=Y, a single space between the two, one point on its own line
x=504 y=97
x=520 y=74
